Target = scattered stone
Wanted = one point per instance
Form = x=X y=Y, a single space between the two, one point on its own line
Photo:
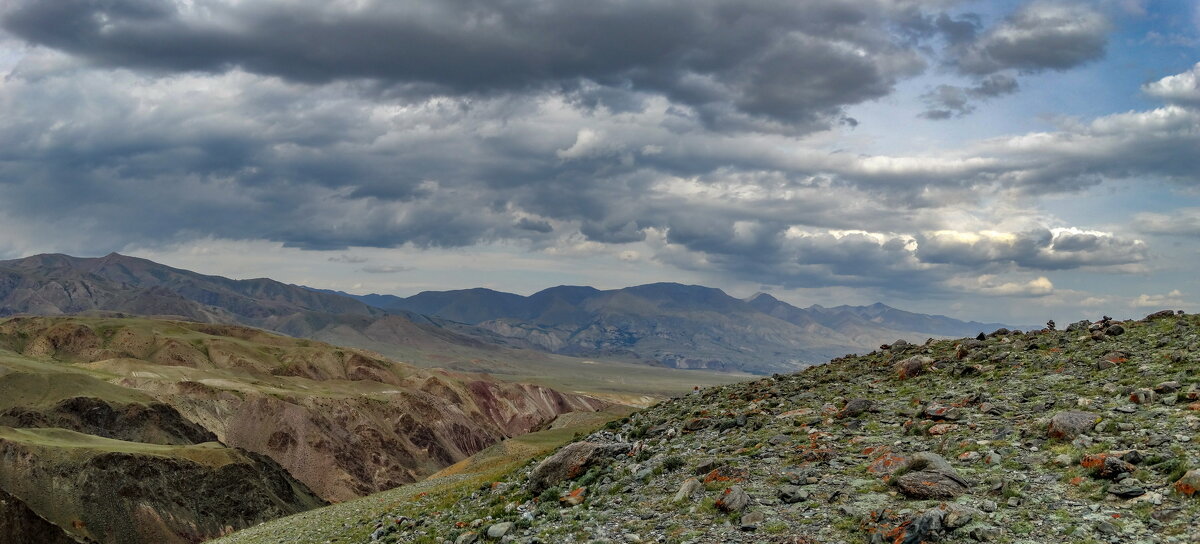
x=574 y=498
x=791 y=494
x=938 y=412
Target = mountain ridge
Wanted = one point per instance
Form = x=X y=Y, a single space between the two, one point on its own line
x=707 y=327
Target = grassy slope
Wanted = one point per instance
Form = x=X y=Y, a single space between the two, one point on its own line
x=352 y=521
x=623 y=383
x=610 y=379
x=73 y=444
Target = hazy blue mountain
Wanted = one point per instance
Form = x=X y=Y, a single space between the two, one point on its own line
x=686 y=326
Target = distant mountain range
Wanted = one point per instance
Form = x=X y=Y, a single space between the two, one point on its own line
x=682 y=326
x=662 y=324
x=64 y=285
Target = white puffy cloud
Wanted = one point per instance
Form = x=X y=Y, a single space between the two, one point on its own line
x=1169 y=301
x=991 y=285
x=1182 y=88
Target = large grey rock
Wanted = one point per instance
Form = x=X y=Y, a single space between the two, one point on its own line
x=930 y=476
x=1072 y=423
x=733 y=499
x=571 y=462
x=689 y=487
x=791 y=494
x=924 y=484
x=856 y=407
x=498 y=530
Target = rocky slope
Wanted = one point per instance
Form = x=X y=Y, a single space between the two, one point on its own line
x=681 y=326
x=1088 y=435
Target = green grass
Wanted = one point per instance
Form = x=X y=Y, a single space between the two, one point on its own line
x=73 y=444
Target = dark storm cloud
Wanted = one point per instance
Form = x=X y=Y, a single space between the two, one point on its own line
x=777 y=63
x=535 y=225
x=1043 y=35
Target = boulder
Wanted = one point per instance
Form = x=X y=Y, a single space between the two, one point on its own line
x=1189 y=484
x=924 y=484
x=791 y=494
x=912 y=367
x=1159 y=315
x=571 y=462
x=498 y=530
x=856 y=407
x=1071 y=423
x=687 y=489
x=733 y=499
x=1107 y=466
x=930 y=476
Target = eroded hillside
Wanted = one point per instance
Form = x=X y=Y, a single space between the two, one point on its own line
x=92 y=407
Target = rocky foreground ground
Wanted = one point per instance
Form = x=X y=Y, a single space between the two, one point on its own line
x=1088 y=435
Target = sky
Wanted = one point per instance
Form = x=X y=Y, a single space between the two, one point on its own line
x=1007 y=161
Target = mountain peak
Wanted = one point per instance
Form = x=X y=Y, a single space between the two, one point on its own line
x=761 y=296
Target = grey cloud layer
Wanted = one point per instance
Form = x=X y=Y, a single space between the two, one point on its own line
x=776 y=62
x=1043 y=35
x=946 y=101
x=654 y=125
x=1040 y=36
